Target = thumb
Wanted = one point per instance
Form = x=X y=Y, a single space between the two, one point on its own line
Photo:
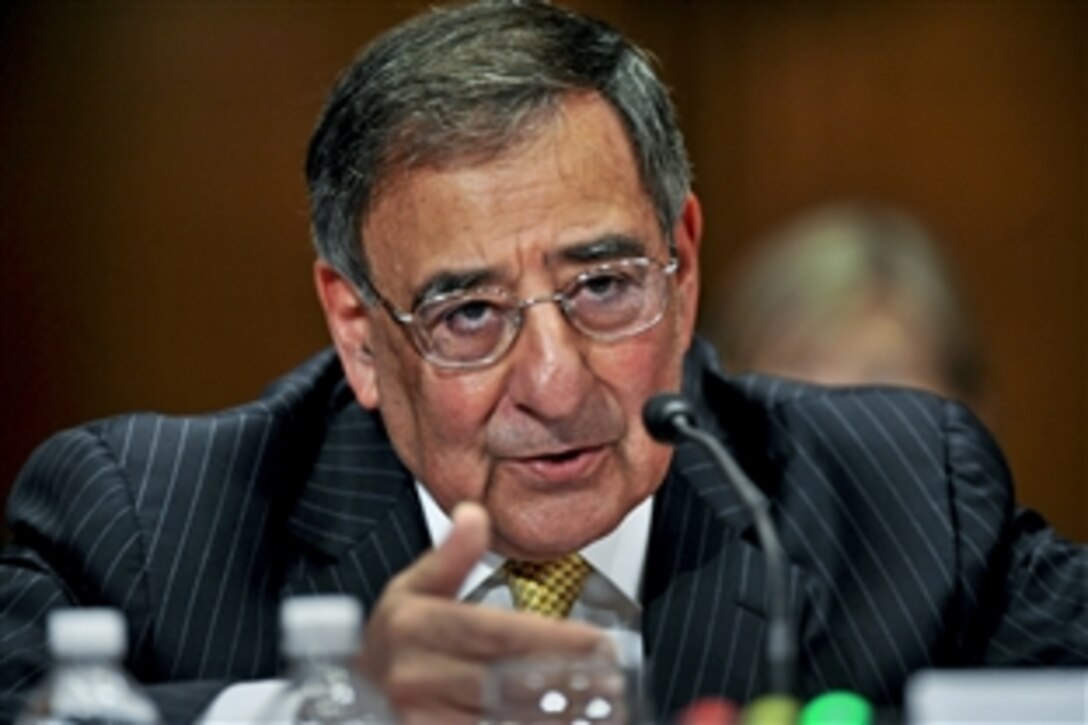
x=442 y=570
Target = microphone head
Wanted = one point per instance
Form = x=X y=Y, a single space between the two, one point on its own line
x=661 y=413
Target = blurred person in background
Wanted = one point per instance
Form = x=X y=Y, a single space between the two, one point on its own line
x=852 y=293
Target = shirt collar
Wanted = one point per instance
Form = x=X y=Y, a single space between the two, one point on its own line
x=619 y=556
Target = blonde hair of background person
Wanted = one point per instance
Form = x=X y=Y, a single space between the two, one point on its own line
x=851 y=293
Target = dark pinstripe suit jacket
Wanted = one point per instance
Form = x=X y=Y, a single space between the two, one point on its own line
x=895 y=508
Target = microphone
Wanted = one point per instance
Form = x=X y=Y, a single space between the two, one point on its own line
x=669 y=418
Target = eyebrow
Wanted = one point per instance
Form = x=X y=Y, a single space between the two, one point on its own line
x=448 y=281
x=602 y=249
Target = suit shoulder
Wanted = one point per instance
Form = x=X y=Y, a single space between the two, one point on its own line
x=891 y=432
x=303 y=392
x=893 y=409
x=146 y=444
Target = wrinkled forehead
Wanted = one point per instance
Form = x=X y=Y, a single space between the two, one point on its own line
x=468 y=138
x=572 y=183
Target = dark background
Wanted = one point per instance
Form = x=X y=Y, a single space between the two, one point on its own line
x=153 y=213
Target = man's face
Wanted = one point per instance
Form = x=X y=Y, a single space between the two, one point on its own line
x=548 y=438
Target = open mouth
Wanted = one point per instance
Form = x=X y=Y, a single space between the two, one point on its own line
x=563 y=456
x=562 y=466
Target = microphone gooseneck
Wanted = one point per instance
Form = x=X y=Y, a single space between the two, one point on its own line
x=670 y=418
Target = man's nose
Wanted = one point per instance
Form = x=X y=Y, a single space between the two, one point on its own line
x=549 y=374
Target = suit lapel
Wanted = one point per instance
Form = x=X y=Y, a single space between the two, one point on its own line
x=358 y=513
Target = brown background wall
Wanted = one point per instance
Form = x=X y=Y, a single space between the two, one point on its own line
x=152 y=210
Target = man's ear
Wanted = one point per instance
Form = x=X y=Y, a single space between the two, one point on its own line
x=687 y=233
x=351 y=326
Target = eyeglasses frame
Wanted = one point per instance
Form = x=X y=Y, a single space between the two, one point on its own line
x=409 y=320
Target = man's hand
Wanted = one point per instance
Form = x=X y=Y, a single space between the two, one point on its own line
x=429 y=653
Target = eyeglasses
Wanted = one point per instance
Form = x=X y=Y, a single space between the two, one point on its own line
x=475 y=328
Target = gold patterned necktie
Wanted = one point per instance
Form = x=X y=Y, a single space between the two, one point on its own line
x=547 y=587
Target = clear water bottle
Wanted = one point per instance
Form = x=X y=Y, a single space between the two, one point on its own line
x=321 y=638
x=87 y=683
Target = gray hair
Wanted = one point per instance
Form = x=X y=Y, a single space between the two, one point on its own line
x=464 y=84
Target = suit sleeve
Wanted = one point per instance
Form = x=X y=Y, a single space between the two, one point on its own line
x=76 y=541
x=1023 y=588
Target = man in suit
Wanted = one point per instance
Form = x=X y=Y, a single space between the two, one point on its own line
x=508 y=264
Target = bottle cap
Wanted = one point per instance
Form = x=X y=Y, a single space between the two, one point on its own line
x=89 y=632
x=318 y=625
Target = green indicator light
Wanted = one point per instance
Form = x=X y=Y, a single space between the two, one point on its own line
x=837 y=707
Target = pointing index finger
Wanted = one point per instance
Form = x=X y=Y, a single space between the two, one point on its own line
x=441 y=571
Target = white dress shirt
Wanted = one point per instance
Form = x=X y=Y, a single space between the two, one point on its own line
x=610 y=595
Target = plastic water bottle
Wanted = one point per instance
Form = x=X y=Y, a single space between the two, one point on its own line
x=87 y=683
x=321 y=637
